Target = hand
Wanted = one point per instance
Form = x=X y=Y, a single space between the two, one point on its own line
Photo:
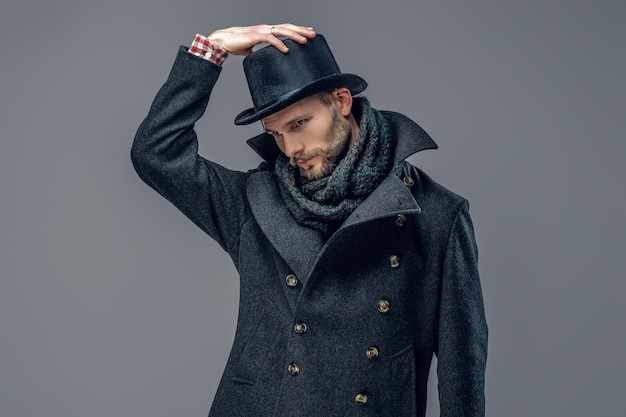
x=241 y=40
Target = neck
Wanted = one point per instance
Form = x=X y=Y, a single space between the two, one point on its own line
x=354 y=129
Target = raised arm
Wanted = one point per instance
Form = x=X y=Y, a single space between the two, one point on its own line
x=164 y=152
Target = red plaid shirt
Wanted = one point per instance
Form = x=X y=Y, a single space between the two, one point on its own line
x=203 y=48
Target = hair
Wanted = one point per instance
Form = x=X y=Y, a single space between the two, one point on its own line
x=325 y=97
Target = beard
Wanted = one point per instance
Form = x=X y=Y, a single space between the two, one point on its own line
x=337 y=144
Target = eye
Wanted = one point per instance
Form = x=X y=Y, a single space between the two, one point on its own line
x=298 y=124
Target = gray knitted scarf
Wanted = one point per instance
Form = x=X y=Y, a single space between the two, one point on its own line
x=326 y=202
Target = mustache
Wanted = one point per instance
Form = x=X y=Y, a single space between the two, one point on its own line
x=311 y=154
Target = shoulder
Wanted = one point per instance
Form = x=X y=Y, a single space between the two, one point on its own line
x=440 y=206
x=428 y=189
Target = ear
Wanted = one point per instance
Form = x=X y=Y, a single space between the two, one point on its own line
x=343 y=101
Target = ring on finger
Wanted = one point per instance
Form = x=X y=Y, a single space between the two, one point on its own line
x=272 y=30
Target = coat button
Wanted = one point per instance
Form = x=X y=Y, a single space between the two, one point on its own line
x=400 y=220
x=293 y=369
x=394 y=261
x=360 y=398
x=292 y=280
x=372 y=352
x=383 y=306
x=408 y=181
x=300 y=327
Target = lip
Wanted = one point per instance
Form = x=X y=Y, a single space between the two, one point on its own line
x=303 y=162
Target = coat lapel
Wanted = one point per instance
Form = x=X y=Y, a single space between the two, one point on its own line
x=297 y=245
x=390 y=198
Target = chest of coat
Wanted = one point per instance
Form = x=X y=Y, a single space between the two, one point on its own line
x=370 y=278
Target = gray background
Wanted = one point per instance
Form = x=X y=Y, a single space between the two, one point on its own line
x=114 y=304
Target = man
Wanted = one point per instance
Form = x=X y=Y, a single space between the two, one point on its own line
x=355 y=266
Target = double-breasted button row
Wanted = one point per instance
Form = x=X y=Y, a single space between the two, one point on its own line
x=394 y=261
x=293 y=368
x=300 y=327
x=292 y=280
x=383 y=306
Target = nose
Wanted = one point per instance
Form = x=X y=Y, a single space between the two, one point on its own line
x=291 y=146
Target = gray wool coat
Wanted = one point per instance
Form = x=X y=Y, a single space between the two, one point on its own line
x=343 y=327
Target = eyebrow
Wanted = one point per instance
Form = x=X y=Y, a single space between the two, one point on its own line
x=286 y=124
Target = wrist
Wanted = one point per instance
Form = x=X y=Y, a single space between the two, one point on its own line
x=202 y=46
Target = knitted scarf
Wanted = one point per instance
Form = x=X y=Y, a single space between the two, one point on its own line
x=326 y=202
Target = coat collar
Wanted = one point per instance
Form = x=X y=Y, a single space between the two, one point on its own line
x=411 y=138
x=302 y=246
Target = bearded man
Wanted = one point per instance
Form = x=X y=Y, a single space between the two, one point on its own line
x=355 y=266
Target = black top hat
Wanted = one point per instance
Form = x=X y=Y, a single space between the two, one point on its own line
x=277 y=80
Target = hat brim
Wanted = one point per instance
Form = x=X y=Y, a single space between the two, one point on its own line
x=352 y=82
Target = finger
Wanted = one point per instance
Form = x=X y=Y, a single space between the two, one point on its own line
x=274 y=41
x=299 y=34
x=307 y=31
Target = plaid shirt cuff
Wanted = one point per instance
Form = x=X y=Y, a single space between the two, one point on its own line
x=203 y=48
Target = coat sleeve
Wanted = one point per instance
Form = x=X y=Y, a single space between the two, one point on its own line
x=165 y=153
x=462 y=341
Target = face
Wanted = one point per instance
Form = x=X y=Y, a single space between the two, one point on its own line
x=312 y=135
